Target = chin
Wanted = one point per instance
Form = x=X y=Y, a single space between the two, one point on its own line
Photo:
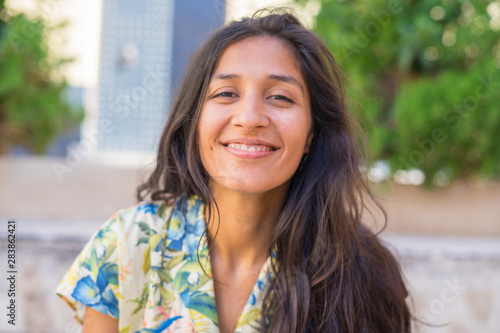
x=248 y=187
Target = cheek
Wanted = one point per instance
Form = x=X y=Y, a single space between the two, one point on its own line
x=209 y=130
x=212 y=119
x=205 y=128
x=298 y=130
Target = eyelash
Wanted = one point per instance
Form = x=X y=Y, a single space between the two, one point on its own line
x=224 y=92
x=281 y=97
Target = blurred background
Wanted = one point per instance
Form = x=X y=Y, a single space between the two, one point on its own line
x=85 y=88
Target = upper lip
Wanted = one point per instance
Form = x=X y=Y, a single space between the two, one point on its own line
x=249 y=142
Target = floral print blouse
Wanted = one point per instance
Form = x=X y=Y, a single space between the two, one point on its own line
x=148 y=266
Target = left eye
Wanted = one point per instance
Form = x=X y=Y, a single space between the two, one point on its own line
x=281 y=98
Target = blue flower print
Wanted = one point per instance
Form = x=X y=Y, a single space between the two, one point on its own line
x=252 y=299
x=187 y=226
x=94 y=294
x=163 y=325
x=186 y=296
x=193 y=278
x=148 y=208
x=261 y=284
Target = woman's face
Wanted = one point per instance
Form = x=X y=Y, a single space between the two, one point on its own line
x=255 y=123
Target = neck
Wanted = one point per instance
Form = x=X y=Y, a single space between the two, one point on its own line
x=246 y=223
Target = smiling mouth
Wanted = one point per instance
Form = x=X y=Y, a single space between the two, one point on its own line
x=244 y=147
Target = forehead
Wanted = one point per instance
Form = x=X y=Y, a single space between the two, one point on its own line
x=259 y=55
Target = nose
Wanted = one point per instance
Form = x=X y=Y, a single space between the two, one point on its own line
x=250 y=113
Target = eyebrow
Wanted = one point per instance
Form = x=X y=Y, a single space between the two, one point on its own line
x=283 y=78
x=286 y=78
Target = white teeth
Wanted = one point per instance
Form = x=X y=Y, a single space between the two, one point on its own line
x=249 y=148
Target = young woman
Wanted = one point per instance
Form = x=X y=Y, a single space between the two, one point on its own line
x=254 y=218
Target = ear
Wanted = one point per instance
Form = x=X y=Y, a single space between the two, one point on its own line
x=309 y=139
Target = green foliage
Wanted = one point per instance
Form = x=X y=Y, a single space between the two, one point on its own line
x=33 y=106
x=424 y=77
x=457 y=128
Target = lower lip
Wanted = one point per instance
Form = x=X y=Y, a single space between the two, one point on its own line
x=248 y=154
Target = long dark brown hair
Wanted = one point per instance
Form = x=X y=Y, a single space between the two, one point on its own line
x=333 y=274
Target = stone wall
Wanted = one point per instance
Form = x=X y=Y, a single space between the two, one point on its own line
x=41 y=264
x=454 y=283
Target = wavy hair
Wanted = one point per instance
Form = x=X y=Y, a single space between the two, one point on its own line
x=334 y=274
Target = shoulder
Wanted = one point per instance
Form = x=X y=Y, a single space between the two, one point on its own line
x=179 y=222
x=125 y=233
x=151 y=214
x=112 y=273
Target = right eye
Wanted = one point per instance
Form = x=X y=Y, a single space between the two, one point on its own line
x=225 y=94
